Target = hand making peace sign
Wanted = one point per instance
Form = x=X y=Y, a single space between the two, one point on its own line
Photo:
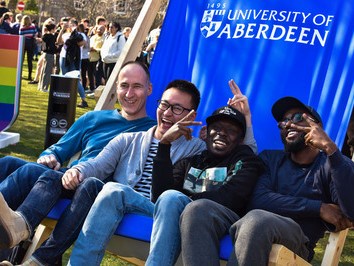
x=180 y=128
x=315 y=136
x=239 y=102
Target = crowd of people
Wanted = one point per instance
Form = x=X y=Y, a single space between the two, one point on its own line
x=69 y=45
x=196 y=189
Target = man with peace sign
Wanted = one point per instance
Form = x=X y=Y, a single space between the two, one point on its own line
x=306 y=190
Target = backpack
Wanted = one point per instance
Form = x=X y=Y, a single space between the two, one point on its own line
x=117 y=38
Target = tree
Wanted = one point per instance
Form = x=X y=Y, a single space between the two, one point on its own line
x=12 y=5
x=129 y=10
x=31 y=5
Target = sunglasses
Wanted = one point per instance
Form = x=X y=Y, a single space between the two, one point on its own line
x=295 y=118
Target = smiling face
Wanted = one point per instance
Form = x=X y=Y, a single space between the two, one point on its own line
x=165 y=119
x=133 y=87
x=292 y=139
x=223 y=136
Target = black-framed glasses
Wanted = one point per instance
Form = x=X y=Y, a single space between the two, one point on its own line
x=295 y=118
x=175 y=108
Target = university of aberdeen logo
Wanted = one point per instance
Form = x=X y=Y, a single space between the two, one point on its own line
x=211 y=21
x=222 y=21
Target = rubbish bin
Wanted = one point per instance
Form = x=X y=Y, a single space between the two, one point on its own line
x=61 y=107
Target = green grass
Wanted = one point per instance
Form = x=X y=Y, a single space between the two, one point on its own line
x=347 y=257
x=31 y=124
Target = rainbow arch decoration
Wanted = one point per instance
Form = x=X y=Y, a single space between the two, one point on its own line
x=11 y=53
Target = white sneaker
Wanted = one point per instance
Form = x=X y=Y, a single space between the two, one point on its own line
x=91 y=95
x=13 y=228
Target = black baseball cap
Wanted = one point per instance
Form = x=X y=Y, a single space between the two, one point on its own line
x=230 y=113
x=281 y=106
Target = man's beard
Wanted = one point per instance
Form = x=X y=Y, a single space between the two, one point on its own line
x=296 y=145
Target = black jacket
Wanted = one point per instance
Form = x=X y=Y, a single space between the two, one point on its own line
x=73 y=50
x=240 y=170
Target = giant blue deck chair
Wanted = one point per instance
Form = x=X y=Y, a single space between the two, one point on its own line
x=11 y=52
x=271 y=49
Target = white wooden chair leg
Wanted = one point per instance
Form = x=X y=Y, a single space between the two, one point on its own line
x=42 y=233
x=334 y=248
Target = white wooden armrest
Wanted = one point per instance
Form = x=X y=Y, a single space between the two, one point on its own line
x=281 y=256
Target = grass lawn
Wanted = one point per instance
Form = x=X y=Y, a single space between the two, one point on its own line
x=31 y=124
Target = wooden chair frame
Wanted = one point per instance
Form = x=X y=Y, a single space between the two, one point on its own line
x=136 y=251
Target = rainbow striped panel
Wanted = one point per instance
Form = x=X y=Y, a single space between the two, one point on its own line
x=11 y=52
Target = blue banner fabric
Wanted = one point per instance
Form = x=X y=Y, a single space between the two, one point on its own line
x=272 y=48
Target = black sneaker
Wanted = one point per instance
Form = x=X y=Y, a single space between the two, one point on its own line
x=83 y=104
x=33 y=82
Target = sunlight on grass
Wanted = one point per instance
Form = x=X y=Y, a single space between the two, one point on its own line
x=108 y=260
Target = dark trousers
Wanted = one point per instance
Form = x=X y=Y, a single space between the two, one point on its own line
x=107 y=70
x=91 y=74
x=29 y=50
x=99 y=73
x=84 y=71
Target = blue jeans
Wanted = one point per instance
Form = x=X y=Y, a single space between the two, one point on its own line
x=41 y=198
x=8 y=165
x=106 y=213
x=46 y=192
x=65 y=69
x=165 y=244
x=18 y=177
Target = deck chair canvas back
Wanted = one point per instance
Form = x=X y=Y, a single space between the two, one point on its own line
x=265 y=65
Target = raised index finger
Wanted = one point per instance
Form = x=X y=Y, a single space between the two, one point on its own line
x=234 y=88
x=309 y=119
x=190 y=123
x=188 y=116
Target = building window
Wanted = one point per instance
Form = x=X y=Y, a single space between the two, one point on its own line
x=120 y=6
x=79 y=4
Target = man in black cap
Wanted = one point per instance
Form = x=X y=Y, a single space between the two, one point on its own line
x=223 y=176
x=306 y=190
